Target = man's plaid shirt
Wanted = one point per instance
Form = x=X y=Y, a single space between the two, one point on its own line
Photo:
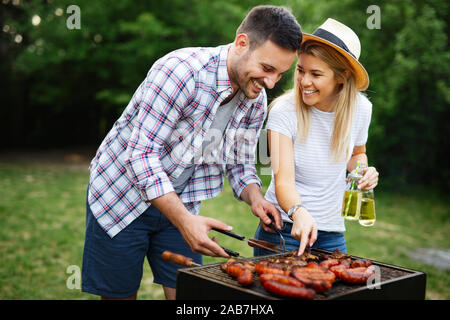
x=161 y=132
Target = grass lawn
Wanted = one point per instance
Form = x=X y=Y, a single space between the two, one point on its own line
x=42 y=214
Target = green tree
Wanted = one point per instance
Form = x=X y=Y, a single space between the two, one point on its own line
x=408 y=63
x=66 y=87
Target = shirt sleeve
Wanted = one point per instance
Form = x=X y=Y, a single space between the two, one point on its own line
x=243 y=171
x=169 y=86
x=365 y=107
x=282 y=118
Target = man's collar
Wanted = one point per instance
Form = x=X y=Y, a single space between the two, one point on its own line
x=223 y=79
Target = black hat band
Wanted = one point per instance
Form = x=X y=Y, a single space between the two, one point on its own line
x=326 y=35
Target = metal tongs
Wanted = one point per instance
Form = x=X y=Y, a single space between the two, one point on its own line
x=254 y=242
x=282 y=242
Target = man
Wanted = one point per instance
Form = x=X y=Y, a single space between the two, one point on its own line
x=196 y=117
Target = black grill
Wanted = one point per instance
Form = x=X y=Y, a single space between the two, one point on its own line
x=210 y=282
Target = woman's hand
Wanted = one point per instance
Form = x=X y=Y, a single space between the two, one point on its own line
x=369 y=179
x=304 y=229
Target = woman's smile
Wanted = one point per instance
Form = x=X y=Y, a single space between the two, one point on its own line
x=317 y=82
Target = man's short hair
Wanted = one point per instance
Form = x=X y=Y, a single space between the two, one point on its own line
x=271 y=23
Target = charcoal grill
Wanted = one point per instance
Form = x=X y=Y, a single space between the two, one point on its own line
x=209 y=282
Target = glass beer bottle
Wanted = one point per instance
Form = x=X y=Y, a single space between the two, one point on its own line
x=367 y=215
x=351 y=205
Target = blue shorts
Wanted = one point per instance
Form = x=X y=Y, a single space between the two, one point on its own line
x=325 y=240
x=113 y=267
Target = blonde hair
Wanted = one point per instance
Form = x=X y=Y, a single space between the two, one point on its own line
x=345 y=103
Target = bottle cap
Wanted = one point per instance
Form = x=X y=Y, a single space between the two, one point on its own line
x=354 y=176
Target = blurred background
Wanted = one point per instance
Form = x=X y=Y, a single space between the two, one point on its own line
x=68 y=72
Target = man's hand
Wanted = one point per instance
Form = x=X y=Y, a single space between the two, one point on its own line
x=194 y=229
x=267 y=213
x=261 y=208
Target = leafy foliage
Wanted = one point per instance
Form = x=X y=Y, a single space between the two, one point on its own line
x=64 y=87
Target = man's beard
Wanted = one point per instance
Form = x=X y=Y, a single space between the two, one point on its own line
x=241 y=79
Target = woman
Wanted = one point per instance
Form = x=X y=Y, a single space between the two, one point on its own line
x=316 y=132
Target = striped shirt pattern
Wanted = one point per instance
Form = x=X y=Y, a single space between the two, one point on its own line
x=320 y=181
x=160 y=133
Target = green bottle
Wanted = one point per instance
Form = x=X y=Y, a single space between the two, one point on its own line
x=351 y=205
x=367 y=215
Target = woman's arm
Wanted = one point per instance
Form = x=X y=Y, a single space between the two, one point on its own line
x=282 y=158
x=358 y=155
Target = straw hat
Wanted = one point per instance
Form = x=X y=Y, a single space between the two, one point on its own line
x=344 y=40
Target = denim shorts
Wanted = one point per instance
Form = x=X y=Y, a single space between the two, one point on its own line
x=113 y=267
x=325 y=240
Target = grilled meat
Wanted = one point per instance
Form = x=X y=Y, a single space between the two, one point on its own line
x=270 y=267
x=329 y=263
x=305 y=256
x=361 y=263
x=336 y=254
x=242 y=270
x=243 y=275
x=288 y=291
x=177 y=258
x=281 y=278
x=314 y=276
x=357 y=275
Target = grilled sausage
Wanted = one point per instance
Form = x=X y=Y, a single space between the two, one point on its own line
x=267 y=267
x=338 y=269
x=177 y=258
x=224 y=265
x=245 y=278
x=314 y=276
x=243 y=263
x=361 y=263
x=288 y=291
x=357 y=275
x=316 y=285
x=345 y=262
x=329 y=263
x=280 y=278
x=243 y=275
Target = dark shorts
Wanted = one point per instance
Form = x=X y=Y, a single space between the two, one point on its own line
x=113 y=267
x=325 y=240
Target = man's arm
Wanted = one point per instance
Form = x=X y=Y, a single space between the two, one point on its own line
x=155 y=123
x=194 y=229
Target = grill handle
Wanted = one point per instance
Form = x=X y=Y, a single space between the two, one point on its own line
x=230 y=234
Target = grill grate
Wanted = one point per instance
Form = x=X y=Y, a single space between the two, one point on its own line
x=214 y=278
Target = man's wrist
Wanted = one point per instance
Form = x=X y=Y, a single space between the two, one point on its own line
x=251 y=193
